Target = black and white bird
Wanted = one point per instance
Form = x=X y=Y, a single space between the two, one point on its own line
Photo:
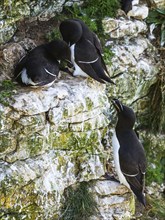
x=86 y=50
x=129 y=155
x=40 y=67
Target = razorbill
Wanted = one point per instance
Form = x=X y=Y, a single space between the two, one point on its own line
x=129 y=155
x=86 y=50
x=40 y=67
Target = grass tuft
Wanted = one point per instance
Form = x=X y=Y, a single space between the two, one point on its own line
x=155 y=209
x=79 y=203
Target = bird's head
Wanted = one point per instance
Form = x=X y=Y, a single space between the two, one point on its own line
x=126 y=115
x=59 y=50
x=71 y=31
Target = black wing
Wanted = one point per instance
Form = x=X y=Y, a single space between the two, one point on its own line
x=88 y=60
x=137 y=185
x=42 y=70
x=99 y=50
x=133 y=167
x=97 y=66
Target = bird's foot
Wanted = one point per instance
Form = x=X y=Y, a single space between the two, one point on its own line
x=67 y=70
x=108 y=177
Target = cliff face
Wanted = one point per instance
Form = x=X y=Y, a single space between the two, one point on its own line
x=16 y=10
x=53 y=139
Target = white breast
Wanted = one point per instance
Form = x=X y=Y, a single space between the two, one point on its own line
x=78 y=71
x=27 y=81
x=116 y=146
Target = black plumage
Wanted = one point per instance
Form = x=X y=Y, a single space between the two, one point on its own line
x=132 y=159
x=126 y=5
x=40 y=67
x=86 y=50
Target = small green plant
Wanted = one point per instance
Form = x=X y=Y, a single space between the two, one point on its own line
x=101 y=8
x=108 y=54
x=157 y=17
x=79 y=203
x=152 y=118
x=155 y=106
x=6 y=91
x=155 y=209
x=54 y=34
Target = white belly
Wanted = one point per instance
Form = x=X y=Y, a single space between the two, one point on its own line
x=116 y=147
x=78 y=71
x=27 y=81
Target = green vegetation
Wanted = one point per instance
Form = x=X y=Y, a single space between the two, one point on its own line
x=155 y=151
x=108 y=54
x=157 y=17
x=101 y=8
x=6 y=91
x=92 y=13
x=79 y=203
x=155 y=209
x=8 y=85
x=153 y=120
x=155 y=158
x=156 y=106
x=53 y=35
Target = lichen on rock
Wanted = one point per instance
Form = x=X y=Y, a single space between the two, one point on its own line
x=53 y=140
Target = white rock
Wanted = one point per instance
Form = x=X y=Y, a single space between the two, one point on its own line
x=138 y=12
x=118 y=28
x=111 y=206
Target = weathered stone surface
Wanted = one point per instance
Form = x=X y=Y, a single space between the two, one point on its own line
x=55 y=137
x=50 y=139
x=138 y=67
x=118 y=28
x=106 y=194
x=46 y=10
x=7 y=30
x=11 y=54
x=70 y=3
x=139 y=12
x=13 y=11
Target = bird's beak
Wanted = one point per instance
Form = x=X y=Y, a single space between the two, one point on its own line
x=113 y=82
x=117 y=104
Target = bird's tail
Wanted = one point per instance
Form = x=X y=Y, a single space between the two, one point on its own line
x=140 y=196
x=97 y=66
